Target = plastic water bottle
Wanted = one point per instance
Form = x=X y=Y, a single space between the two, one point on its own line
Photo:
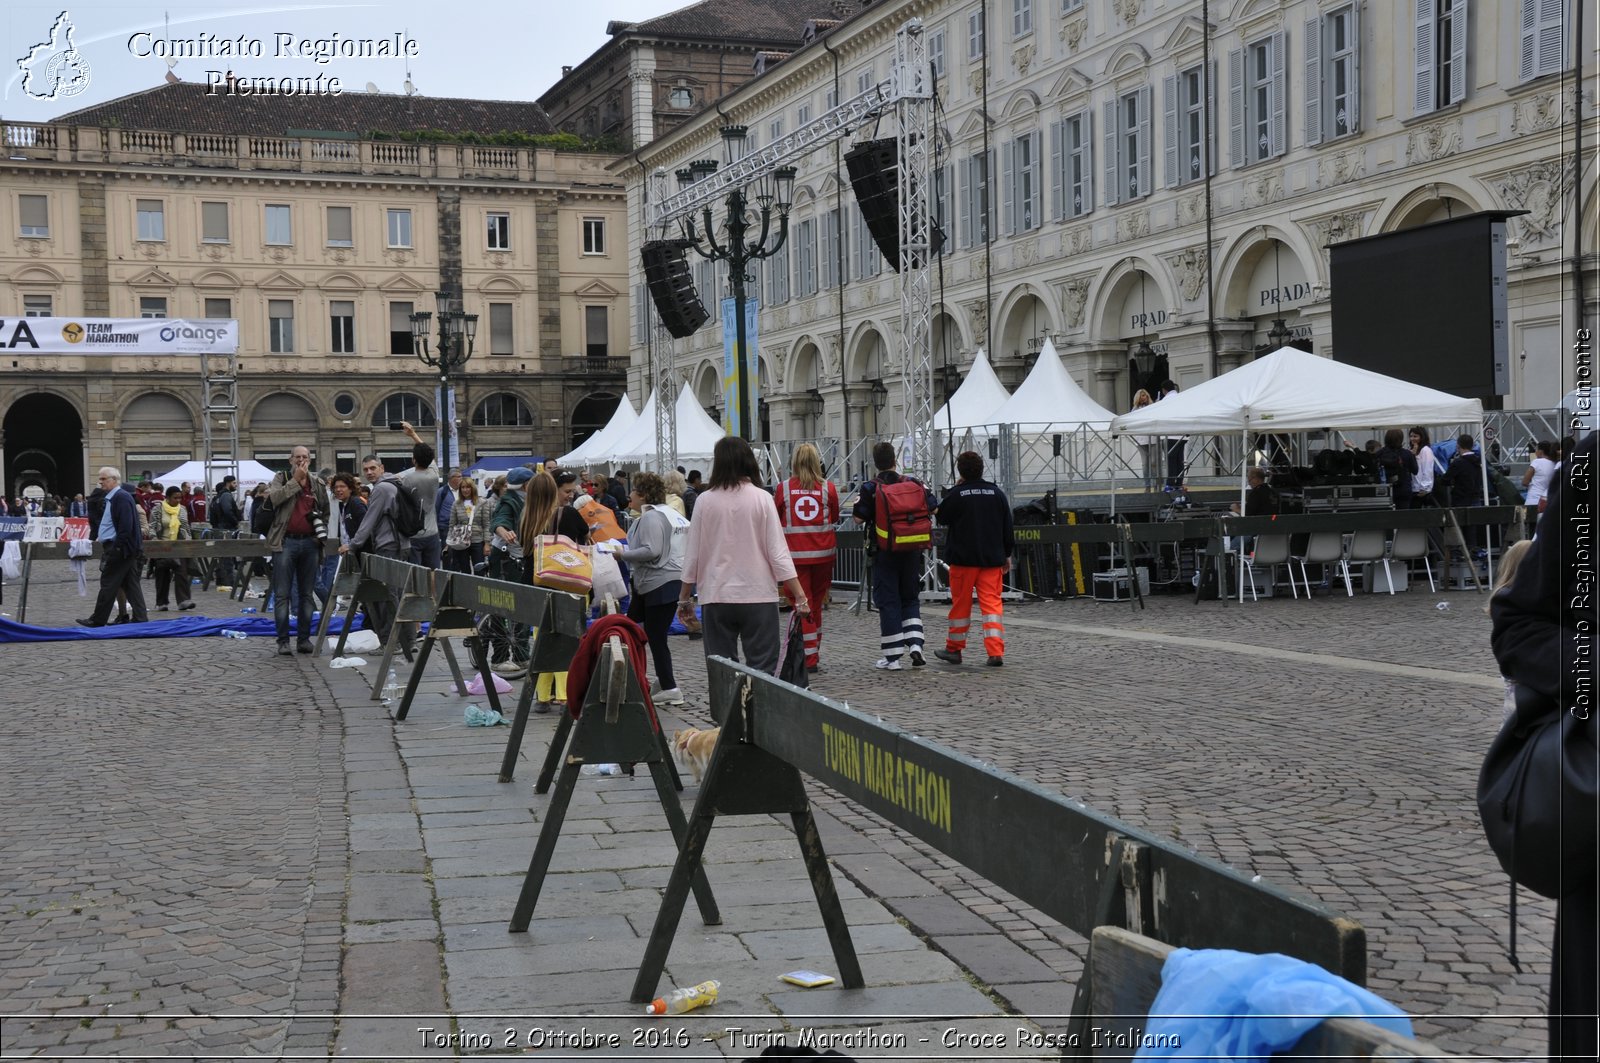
x=681 y=1000
x=248 y=611
x=390 y=686
x=230 y=633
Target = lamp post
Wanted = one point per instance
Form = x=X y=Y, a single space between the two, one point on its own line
x=1144 y=364
x=457 y=331
x=776 y=192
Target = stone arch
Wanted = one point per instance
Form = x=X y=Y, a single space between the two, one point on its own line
x=44 y=444
x=41 y=275
x=1125 y=59
x=948 y=336
x=1431 y=202
x=1112 y=289
x=1026 y=312
x=503 y=409
x=157 y=409
x=1023 y=102
x=868 y=354
x=806 y=366
x=708 y=385
x=282 y=411
x=1239 y=262
x=404 y=406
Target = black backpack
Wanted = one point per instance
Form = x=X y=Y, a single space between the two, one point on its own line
x=261 y=516
x=407 y=516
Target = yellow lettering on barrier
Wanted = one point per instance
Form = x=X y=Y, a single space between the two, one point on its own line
x=492 y=598
x=1033 y=535
x=902 y=782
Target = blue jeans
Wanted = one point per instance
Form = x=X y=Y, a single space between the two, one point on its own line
x=325 y=577
x=294 y=569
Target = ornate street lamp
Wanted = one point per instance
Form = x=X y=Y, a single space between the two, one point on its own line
x=457 y=332
x=776 y=193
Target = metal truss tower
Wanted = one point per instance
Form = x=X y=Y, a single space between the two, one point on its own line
x=219 y=386
x=908 y=92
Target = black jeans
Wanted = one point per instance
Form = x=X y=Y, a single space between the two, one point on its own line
x=119 y=573
x=656 y=621
x=172 y=574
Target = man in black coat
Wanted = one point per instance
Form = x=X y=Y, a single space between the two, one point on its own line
x=116 y=527
x=1544 y=639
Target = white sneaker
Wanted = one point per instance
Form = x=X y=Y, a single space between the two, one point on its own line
x=917 y=660
x=674 y=696
x=887 y=665
x=509 y=670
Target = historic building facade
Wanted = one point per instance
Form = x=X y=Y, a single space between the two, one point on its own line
x=321 y=246
x=653 y=75
x=1071 y=185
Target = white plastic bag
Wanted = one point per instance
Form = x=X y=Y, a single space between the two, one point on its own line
x=347 y=662
x=358 y=642
x=607 y=577
x=11 y=560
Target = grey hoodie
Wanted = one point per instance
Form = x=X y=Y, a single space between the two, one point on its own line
x=377 y=529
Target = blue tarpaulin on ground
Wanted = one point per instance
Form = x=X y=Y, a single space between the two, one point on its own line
x=176 y=628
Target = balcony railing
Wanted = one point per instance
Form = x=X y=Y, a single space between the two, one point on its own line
x=80 y=145
x=598 y=366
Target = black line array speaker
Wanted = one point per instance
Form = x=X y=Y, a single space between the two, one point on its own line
x=872 y=166
x=666 y=272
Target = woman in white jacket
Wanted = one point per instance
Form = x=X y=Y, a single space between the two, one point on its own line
x=1427 y=468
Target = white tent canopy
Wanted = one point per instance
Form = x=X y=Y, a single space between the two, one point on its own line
x=976 y=402
x=697 y=434
x=1051 y=400
x=1292 y=391
x=211 y=473
x=622 y=419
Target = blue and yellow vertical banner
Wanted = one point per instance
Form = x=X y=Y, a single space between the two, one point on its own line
x=730 y=370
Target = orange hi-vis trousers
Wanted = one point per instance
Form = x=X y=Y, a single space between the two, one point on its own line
x=986 y=581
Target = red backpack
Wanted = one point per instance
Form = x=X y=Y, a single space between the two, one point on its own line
x=903 y=523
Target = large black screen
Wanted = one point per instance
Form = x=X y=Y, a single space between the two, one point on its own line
x=1426 y=305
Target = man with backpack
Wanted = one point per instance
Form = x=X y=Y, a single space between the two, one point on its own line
x=390 y=509
x=898 y=511
x=423 y=480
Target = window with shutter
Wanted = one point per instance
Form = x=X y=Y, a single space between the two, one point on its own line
x=1078 y=146
x=152 y=219
x=1184 y=133
x=1114 y=191
x=280 y=326
x=501 y=337
x=213 y=223
x=1143 y=116
x=1008 y=188
x=936 y=52
x=805 y=257
x=1021 y=17
x=279 y=231
x=340 y=228
x=1257 y=97
x=1332 y=85
x=1543 y=37
x=400 y=328
x=975 y=34
x=778 y=278
x=33 y=216
x=342 y=326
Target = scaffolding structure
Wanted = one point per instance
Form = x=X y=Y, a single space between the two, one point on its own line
x=908 y=94
x=219 y=384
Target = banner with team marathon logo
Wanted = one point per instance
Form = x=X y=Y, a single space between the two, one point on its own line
x=44 y=529
x=118 y=335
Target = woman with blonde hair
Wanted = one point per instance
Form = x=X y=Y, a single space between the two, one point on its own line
x=675 y=486
x=808 y=510
x=543 y=514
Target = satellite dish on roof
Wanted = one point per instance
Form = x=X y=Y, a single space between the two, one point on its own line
x=411 y=90
x=372 y=87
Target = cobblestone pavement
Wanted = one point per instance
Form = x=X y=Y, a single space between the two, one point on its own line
x=171 y=849
x=174 y=844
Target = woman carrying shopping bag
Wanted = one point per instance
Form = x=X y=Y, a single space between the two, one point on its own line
x=544 y=516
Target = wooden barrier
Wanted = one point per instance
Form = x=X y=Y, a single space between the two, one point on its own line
x=1077 y=865
x=615 y=727
x=1128 y=976
x=154 y=549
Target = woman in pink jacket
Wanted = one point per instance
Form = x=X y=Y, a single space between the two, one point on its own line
x=736 y=558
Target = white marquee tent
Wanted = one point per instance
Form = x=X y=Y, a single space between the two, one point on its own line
x=211 y=473
x=697 y=435
x=622 y=419
x=1292 y=391
x=976 y=402
x=1050 y=400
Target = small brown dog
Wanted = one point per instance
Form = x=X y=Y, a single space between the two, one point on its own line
x=693 y=748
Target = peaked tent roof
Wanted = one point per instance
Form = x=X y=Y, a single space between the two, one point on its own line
x=976 y=401
x=1051 y=397
x=210 y=473
x=1291 y=391
x=622 y=419
x=697 y=434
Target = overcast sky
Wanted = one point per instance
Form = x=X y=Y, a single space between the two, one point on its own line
x=487 y=49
